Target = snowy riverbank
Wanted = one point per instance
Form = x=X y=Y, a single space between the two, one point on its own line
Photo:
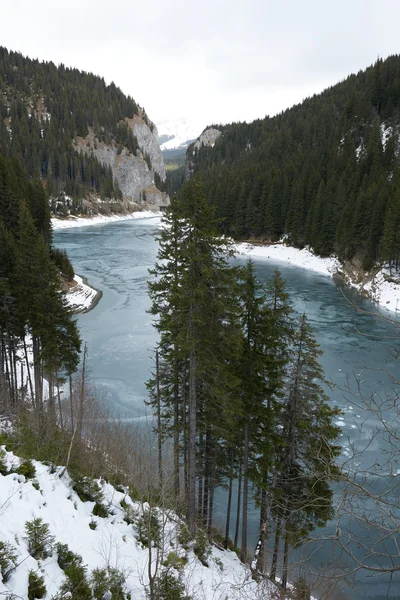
x=380 y=288
x=82 y=297
x=72 y=221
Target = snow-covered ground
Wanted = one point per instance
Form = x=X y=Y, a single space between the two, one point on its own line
x=81 y=297
x=384 y=292
x=100 y=219
x=299 y=258
x=112 y=542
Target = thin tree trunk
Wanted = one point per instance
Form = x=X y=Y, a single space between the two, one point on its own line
x=28 y=371
x=177 y=486
x=285 y=561
x=59 y=405
x=228 y=510
x=275 y=553
x=243 y=548
x=239 y=498
x=192 y=438
x=71 y=402
x=160 y=465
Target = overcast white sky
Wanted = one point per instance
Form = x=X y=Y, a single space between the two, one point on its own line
x=209 y=61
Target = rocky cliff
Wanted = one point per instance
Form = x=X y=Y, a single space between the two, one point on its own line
x=206 y=139
x=136 y=175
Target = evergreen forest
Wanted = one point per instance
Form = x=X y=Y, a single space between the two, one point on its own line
x=44 y=108
x=36 y=327
x=325 y=173
x=239 y=391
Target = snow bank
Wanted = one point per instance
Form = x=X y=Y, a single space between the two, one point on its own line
x=81 y=297
x=101 y=219
x=299 y=258
x=113 y=542
x=382 y=289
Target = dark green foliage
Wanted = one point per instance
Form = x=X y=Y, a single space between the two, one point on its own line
x=87 y=488
x=99 y=510
x=109 y=580
x=148 y=528
x=60 y=258
x=320 y=172
x=50 y=107
x=8 y=560
x=93 y=524
x=202 y=548
x=3 y=464
x=129 y=515
x=40 y=541
x=175 y=561
x=168 y=587
x=27 y=469
x=36 y=586
x=65 y=557
x=77 y=584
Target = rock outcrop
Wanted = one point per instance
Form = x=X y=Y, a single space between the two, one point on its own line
x=207 y=138
x=136 y=175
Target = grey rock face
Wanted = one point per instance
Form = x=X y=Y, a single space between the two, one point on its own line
x=132 y=173
x=208 y=138
x=148 y=142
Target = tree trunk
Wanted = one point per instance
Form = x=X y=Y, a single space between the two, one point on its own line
x=239 y=498
x=275 y=554
x=285 y=561
x=228 y=510
x=192 y=440
x=243 y=548
x=159 y=442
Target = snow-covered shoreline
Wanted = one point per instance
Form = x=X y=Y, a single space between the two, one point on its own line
x=380 y=289
x=82 y=297
x=71 y=221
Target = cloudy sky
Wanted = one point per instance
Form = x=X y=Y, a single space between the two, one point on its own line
x=208 y=61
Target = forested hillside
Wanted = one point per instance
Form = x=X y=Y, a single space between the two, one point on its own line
x=52 y=119
x=35 y=322
x=325 y=172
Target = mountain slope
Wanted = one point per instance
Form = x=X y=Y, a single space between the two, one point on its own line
x=116 y=541
x=326 y=172
x=76 y=134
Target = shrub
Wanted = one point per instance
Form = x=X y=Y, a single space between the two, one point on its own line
x=77 y=586
x=129 y=515
x=184 y=536
x=87 y=488
x=175 y=561
x=202 y=547
x=27 y=469
x=148 y=528
x=99 y=510
x=108 y=581
x=40 y=541
x=36 y=586
x=8 y=560
x=168 y=587
x=93 y=524
x=3 y=463
x=301 y=590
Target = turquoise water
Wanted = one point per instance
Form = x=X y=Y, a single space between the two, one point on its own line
x=116 y=257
